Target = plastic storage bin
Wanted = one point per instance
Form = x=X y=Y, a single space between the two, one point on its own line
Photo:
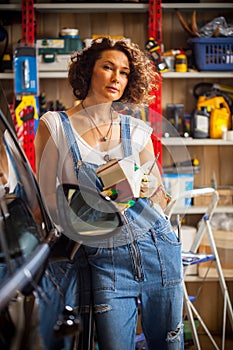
x=176 y=184
x=213 y=54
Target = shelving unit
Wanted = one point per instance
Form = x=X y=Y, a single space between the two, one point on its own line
x=214 y=155
x=178 y=143
x=167 y=75
x=177 y=88
x=130 y=20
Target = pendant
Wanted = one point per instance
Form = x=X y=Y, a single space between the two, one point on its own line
x=105 y=138
x=107 y=158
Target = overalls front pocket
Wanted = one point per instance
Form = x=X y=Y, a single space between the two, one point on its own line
x=169 y=251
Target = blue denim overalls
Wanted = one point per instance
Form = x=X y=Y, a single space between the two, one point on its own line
x=142 y=263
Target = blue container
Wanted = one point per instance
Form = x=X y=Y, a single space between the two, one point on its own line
x=213 y=54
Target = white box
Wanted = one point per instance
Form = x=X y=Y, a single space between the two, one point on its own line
x=188 y=234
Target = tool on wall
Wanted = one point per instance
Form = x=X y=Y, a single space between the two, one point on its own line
x=213 y=113
x=155 y=52
x=191 y=29
x=208 y=89
x=25 y=68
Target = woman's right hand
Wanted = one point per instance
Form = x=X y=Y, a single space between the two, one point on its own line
x=149 y=184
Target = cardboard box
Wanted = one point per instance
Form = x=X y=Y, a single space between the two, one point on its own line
x=188 y=234
x=225 y=198
x=54 y=53
x=224 y=244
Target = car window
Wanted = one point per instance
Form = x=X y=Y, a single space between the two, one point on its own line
x=23 y=223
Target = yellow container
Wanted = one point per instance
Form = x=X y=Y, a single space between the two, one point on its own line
x=219 y=121
x=181 y=64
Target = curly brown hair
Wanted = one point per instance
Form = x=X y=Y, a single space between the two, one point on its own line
x=142 y=75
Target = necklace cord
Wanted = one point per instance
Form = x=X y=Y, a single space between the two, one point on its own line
x=103 y=138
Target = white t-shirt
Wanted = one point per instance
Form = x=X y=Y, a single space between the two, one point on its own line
x=140 y=133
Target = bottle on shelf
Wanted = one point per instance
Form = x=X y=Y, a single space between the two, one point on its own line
x=200 y=122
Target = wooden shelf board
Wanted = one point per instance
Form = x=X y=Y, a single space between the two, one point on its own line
x=91 y=7
x=189 y=141
x=195 y=75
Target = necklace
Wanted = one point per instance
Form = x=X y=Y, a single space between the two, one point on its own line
x=103 y=137
x=107 y=157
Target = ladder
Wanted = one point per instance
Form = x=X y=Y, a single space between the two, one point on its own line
x=203 y=228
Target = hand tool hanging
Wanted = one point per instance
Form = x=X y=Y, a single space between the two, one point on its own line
x=215 y=101
x=191 y=29
x=26 y=82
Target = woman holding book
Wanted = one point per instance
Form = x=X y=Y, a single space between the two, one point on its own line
x=108 y=79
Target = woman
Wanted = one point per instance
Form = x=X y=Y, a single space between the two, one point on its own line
x=145 y=262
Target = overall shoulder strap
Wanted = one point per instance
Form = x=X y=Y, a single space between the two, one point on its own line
x=73 y=146
x=125 y=134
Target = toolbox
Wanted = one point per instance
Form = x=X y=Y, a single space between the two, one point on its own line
x=54 y=53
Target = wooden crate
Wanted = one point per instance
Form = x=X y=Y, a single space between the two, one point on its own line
x=224 y=244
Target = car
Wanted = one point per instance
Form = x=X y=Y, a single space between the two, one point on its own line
x=38 y=307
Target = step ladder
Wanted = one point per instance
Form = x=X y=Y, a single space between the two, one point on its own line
x=193 y=257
